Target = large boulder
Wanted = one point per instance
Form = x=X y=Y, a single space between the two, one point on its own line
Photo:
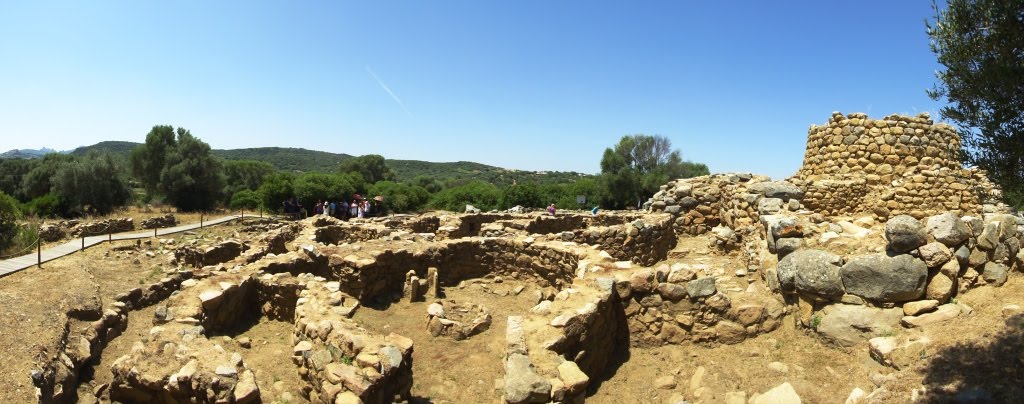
x=848 y=325
x=813 y=272
x=948 y=229
x=777 y=189
x=522 y=383
x=885 y=279
x=905 y=234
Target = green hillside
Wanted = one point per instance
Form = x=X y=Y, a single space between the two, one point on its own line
x=303 y=160
x=287 y=159
x=119 y=148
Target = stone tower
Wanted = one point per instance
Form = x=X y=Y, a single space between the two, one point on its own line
x=889 y=166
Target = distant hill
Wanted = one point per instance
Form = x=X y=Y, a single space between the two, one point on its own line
x=464 y=170
x=26 y=153
x=119 y=148
x=288 y=159
x=303 y=160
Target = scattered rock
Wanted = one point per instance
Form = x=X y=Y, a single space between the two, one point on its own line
x=781 y=394
x=919 y=307
x=665 y=382
x=943 y=313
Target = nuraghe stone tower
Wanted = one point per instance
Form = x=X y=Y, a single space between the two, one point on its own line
x=889 y=166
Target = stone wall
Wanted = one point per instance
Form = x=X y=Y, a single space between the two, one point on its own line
x=381 y=272
x=890 y=166
x=545 y=224
x=643 y=241
x=595 y=333
x=673 y=305
x=923 y=266
x=339 y=358
x=699 y=204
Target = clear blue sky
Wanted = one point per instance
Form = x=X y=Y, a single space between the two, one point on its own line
x=535 y=85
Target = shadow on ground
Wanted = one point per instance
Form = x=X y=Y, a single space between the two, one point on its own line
x=989 y=369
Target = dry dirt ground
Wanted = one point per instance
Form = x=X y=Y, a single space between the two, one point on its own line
x=33 y=302
x=979 y=354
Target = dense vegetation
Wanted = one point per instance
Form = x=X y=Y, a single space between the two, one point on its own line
x=179 y=169
x=302 y=160
x=981 y=45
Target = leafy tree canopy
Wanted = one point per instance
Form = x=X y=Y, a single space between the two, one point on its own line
x=275 y=189
x=477 y=193
x=39 y=181
x=179 y=166
x=149 y=159
x=638 y=165
x=400 y=197
x=9 y=215
x=245 y=199
x=980 y=44
x=93 y=184
x=313 y=187
x=245 y=174
x=371 y=167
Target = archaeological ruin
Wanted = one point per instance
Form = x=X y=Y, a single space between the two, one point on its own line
x=876 y=235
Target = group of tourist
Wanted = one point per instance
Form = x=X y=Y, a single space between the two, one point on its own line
x=359 y=207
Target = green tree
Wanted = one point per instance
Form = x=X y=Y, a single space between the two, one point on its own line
x=44 y=206
x=149 y=159
x=400 y=197
x=12 y=171
x=39 y=181
x=371 y=167
x=477 y=193
x=313 y=187
x=980 y=44
x=9 y=215
x=638 y=165
x=275 y=190
x=245 y=199
x=93 y=184
x=430 y=184
x=192 y=179
x=245 y=174
x=527 y=195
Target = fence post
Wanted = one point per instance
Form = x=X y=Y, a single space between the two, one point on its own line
x=83 y=243
x=154 y=232
x=39 y=254
x=110 y=236
x=261 y=212
x=200 y=220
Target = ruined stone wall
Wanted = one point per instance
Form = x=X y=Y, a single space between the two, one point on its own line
x=555 y=224
x=644 y=242
x=338 y=358
x=468 y=225
x=595 y=333
x=337 y=234
x=371 y=274
x=699 y=204
x=672 y=305
x=890 y=166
